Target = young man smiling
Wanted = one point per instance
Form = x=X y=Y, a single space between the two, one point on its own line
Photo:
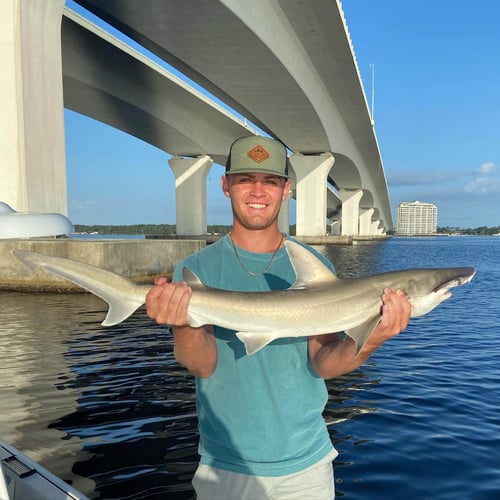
x=262 y=433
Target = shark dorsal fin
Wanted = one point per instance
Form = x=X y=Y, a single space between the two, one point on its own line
x=190 y=278
x=308 y=268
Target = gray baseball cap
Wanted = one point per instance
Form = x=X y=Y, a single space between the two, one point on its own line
x=257 y=154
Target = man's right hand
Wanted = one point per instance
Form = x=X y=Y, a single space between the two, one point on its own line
x=167 y=302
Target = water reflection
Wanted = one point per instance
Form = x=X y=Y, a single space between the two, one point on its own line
x=360 y=259
x=33 y=334
x=136 y=412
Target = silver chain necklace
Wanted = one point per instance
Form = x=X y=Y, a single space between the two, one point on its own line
x=251 y=273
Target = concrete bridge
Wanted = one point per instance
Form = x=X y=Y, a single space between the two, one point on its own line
x=288 y=66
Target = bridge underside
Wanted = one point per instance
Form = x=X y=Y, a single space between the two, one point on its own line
x=287 y=67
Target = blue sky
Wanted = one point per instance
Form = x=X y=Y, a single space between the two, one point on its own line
x=436 y=110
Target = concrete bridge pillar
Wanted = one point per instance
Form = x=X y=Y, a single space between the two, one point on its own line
x=350 y=211
x=377 y=229
x=335 y=227
x=311 y=172
x=191 y=194
x=32 y=150
x=365 y=221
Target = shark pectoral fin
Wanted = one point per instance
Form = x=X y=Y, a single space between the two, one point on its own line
x=361 y=332
x=196 y=320
x=119 y=310
x=255 y=341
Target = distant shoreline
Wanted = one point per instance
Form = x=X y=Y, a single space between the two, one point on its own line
x=221 y=229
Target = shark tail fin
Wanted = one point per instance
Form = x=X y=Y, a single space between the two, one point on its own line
x=121 y=294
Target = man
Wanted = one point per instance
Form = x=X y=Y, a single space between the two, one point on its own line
x=262 y=434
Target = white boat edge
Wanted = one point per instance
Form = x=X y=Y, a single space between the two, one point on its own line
x=21 y=478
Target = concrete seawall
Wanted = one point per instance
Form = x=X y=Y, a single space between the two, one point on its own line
x=311 y=240
x=141 y=260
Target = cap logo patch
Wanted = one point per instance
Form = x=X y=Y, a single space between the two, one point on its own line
x=258 y=154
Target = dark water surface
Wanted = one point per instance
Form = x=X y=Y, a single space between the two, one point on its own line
x=109 y=410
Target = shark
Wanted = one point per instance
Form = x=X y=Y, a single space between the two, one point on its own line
x=319 y=302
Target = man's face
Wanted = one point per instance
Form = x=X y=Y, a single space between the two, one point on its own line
x=255 y=197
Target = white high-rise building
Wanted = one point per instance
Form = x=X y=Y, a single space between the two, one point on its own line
x=416 y=218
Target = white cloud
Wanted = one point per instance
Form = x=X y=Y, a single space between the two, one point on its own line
x=483 y=185
x=485 y=181
x=487 y=169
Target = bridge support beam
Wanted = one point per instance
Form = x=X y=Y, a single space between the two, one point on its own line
x=365 y=221
x=311 y=173
x=350 y=211
x=377 y=229
x=335 y=227
x=32 y=151
x=191 y=194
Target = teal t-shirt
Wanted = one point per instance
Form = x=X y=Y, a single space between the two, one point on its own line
x=259 y=414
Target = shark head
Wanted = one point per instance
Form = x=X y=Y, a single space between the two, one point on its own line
x=430 y=290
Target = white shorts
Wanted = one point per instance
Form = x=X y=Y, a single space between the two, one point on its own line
x=314 y=483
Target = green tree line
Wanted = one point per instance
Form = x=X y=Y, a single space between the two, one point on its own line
x=150 y=229
x=478 y=231
x=146 y=229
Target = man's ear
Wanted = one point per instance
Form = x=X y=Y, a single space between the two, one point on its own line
x=287 y=190
x=224 y=183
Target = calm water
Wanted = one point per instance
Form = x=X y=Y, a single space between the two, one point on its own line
x=110 y=411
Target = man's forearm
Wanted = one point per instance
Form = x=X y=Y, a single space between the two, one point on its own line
x=336 y=357
x=195 y=348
